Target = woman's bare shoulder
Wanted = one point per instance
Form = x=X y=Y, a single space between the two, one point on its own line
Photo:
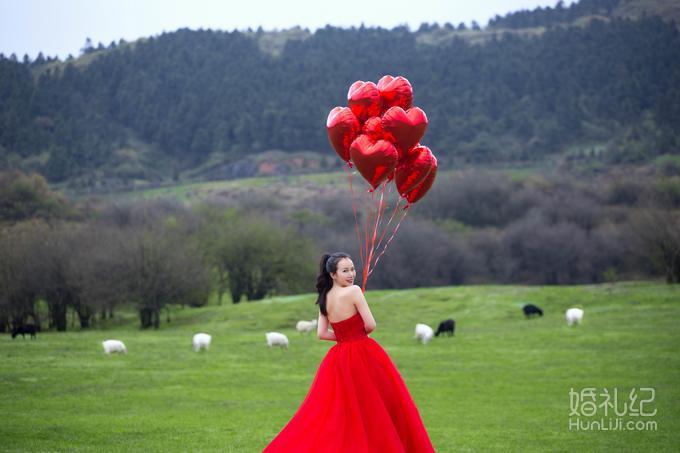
x=352 y=290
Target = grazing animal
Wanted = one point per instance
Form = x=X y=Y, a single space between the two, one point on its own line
x=305 y=326
x=201 y=341
x=23 y=330
x=277 y=339
x=111 y=346
x=424 y=333
x=448 y=326
x=531 y=309
x=574 y=315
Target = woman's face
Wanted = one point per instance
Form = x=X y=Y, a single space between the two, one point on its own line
x=345 y=274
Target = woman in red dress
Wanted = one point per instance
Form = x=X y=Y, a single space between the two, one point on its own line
x=358 y=401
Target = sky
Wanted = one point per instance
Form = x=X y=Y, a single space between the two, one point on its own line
x=60 y=27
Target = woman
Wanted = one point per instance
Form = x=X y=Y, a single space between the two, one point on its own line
x=358 y=401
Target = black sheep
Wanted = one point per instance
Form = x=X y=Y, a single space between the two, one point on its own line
x=531 y=309
x=448 y=326
x=23 y=330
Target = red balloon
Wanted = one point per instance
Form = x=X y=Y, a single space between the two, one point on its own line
x=404 y=128
x=413 y=169
x=421 y=189
x=373 y=128
x=342 y=127
x=395 y=91
x=375 y=160
x=364 y=99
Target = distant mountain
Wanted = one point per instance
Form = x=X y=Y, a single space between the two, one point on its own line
x=586 y=10
x=585 y=81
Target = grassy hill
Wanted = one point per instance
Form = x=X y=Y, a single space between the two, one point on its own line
x=295 y=188
x=501 y=384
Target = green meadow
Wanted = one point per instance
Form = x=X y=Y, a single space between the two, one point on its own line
x=501 y=383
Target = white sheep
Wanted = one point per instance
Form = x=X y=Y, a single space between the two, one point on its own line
x=305 y=326
x=114 y=346
x=574 y=315
x=201 y=341
x=276 y=339
x=424 y=333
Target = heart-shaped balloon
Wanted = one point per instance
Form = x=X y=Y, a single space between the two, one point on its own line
x=364 y=99
x=404 y=128
x=395 y=91
x=373 y=128
x=421 y=189
x=413 y=169
x=375 y=160
x=342 y=127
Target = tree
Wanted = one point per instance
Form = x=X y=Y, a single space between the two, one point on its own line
x=87 y=47
x=163 y=268
x=21 y=267
x=59 y=283
x=255 y=258
x=25 y=197
x=658 y=232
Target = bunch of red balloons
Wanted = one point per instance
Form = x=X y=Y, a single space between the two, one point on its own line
x=379 y=132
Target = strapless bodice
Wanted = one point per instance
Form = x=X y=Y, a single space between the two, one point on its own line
x=350 y=329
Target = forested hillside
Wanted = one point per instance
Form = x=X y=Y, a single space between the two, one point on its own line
x=606 y=88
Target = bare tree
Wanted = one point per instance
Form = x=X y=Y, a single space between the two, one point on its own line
x=163 y=267
x=20 y=269
x=548 y=253
x=658 y=232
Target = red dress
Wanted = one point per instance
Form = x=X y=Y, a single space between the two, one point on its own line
x=357 y=403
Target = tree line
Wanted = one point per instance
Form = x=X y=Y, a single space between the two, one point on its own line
x=90 y=261
x=152 y=109
x=475 y=226
x=559 y=14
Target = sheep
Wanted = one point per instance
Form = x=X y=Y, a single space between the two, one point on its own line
x=114 y=346
x=574 y=315
x=531 y=309
x=201 y=341
x=276 y=339
x=424 y=333
x=23 y=330
x=305 y=326
x=448 y=326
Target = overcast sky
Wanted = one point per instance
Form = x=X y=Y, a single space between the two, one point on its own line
x=59 y=27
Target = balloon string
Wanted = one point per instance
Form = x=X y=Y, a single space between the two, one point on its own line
x=347 y=169
x=385 y=227
x=389 y=222
x=403 y=215
x=382 y=227
x=375 y=226
x=384 y=204
x=367 y=263
x=365 y=240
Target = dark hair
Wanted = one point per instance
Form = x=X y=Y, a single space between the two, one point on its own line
x=324 y=282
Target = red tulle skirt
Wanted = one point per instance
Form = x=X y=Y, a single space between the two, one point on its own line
x=358 y=402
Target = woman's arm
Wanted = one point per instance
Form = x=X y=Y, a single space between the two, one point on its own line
x=363 y=309
x=322 y=329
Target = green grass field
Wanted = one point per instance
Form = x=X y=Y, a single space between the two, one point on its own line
x=501 y=384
